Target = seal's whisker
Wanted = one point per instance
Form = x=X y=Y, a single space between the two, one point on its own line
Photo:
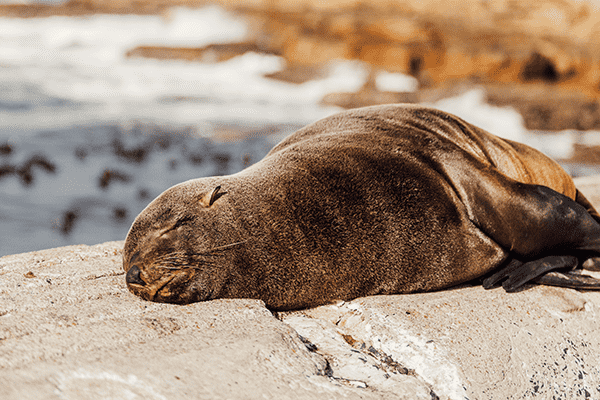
x=176 y=257
x=225 y=246
x=178 y=263
x=178 y=268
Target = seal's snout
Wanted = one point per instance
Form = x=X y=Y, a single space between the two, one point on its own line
x=133 y=276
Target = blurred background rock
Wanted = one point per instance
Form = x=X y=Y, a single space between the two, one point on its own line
x=104 y=104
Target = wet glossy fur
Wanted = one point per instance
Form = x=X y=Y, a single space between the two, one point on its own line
x=379 y=200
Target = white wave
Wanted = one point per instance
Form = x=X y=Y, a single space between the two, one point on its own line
x=395 y=82
x=83 y=60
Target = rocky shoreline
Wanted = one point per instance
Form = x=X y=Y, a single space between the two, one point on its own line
x=69 y=329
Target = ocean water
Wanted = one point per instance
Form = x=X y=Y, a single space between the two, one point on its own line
x=88 y=137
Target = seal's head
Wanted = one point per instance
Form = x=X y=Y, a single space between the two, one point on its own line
x=161 y=255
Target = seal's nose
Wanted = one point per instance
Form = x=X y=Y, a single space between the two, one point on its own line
x=133 y=276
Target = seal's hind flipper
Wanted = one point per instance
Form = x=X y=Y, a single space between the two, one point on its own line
x=517 y=273
x=569 y=279
x=533 y=269
x=502 y=274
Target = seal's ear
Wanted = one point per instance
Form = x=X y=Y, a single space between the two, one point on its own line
x=209 y=198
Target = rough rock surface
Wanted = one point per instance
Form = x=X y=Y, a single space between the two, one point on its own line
x=69 y=329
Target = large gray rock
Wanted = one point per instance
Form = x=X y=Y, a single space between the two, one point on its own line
x=69 y=329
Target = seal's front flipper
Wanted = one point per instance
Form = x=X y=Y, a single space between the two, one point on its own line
x=517 y=273
x=569 y=279
x=529 y=221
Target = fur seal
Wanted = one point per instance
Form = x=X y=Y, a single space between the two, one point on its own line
x=378 y=200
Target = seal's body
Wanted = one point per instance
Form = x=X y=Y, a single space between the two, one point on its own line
x=379 y=200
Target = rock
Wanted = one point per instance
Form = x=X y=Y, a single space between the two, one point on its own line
x=472 y=343
x=500 y=41
x=544 y=108
x=524 y=45
x=69 y=329
x=210 y=53
x=446 y=37
x=72 y=331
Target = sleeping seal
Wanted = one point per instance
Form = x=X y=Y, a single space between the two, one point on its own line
x=378 y=200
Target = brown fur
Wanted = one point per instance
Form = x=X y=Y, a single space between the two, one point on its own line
x=380 y=200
